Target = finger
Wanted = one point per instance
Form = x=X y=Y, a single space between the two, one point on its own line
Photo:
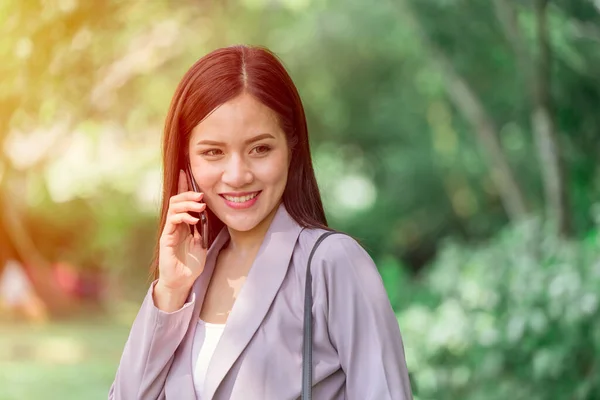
x=185 y=218
x=196 y=240
x=197 y=236
x=182 y=185
x=186 y=196
x=185 y=206
x=175 y=220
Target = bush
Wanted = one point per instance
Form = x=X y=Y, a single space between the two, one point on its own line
x=516 y=318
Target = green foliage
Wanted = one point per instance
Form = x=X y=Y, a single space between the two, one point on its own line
x=516 y=317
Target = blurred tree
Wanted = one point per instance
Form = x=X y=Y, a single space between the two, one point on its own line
x=468 y=103
x=45 y=56
x=536 y=74
x=51 y=61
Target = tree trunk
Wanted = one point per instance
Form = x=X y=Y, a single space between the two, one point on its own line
x=468 y=103
x=535 y=74
x=545 y=129
x=472 y=109
x=38 y=268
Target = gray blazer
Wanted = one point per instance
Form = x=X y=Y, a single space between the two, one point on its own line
x=357 y=352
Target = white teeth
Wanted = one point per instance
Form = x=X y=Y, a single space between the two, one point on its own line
x=241 y=199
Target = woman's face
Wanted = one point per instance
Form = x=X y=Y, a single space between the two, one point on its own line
x=240 y=157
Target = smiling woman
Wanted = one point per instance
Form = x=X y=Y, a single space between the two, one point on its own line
x=236 y=166
x=226 y=321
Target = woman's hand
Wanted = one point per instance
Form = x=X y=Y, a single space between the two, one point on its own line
x=181 y=257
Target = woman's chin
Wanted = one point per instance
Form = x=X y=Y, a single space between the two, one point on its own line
x=241 y=228
x=241 y=224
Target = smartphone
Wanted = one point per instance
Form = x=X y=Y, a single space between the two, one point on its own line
x=203 y=223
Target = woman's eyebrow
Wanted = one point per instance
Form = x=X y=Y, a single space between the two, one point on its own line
x=251 y=140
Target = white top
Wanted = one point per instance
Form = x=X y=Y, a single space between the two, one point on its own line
x=205 y=341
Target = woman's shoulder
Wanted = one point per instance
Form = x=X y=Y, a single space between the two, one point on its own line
x=337 y=246
x=341 y=261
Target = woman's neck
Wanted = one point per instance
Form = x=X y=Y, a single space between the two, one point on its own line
x=246 y=243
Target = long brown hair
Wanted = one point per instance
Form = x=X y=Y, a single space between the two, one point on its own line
x=212 y=81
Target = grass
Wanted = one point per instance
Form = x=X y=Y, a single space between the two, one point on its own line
x=68 y=360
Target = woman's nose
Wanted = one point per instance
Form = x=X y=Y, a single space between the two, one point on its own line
x=237 y=173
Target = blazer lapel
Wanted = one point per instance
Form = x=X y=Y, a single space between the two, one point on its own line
x=183 y=386
x=264 y=279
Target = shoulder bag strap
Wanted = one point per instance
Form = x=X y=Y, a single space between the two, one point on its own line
x=308 y=331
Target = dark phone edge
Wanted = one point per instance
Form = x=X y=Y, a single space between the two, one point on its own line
x=202 y=217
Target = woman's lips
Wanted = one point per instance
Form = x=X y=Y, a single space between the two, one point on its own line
x=242 y=205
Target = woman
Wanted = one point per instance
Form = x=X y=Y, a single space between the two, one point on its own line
x=227 y=323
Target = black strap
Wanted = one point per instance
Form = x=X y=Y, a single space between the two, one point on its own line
x=308 y=331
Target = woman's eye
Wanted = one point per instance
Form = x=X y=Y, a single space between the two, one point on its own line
x=212 y=152
x=261 y=149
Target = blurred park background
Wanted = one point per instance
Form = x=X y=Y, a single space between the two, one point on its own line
x=458 y=139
